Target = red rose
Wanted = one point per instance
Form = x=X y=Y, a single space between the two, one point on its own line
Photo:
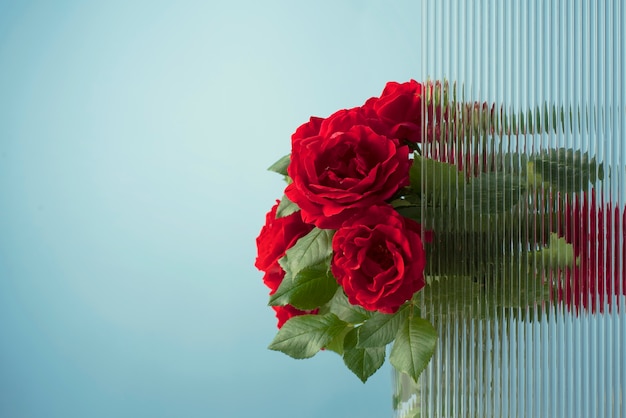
x=400 y=107
x=311 y=128
x=337 y=176
x=275 y=238
x=597 y=234
x=344 y=119
x=340 y=121
x=273 y=276
x=379 y=259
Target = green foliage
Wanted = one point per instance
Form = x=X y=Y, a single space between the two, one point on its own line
x=303 y=336
x=281 y=165
x=520 y=280
x=493 y=193
x=520 y=285
x=558 y=254
x=286 y=207
x=363 y=362
x=311 y=249
x=438 y=182
x=455 y=296
x=414 y=346
x=337 y=343
x=380 y=329
x=310 y=288
x=566 y=170
x=346 y=311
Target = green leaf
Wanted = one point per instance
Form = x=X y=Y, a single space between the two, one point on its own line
x=346 y=311
x=520 y=285
x=566 y=170
x=362 y=361
x=521 y=280
x=558 y=254
x=381 y=329
x=281 y=165
x=303 y=336
x=493 y=192
x=439 y=181
x=286 y=207
x=454 y=296
x=337 y=343
x=511 y=283
x=310 y=288
x=414 y=346
x=311 y=249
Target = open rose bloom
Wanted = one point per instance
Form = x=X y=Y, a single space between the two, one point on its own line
x=415 y=204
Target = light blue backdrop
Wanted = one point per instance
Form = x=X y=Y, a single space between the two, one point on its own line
x=134 y=137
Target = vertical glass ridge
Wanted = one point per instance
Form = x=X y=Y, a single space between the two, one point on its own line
x=526 y=274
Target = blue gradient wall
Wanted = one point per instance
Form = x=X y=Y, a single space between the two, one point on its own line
x=134 y=138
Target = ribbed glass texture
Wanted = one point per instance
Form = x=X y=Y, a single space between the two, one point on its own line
x=527 y=271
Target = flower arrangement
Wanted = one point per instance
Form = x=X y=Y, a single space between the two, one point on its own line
x=392 y=207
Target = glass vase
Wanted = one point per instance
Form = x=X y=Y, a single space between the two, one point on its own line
x=526 y=291
x=459 y=380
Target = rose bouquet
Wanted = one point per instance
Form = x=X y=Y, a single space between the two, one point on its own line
x=417 y=202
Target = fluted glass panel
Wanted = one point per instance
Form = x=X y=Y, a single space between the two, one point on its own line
x=526 y=270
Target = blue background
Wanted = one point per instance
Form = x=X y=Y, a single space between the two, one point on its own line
x=134 y=138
